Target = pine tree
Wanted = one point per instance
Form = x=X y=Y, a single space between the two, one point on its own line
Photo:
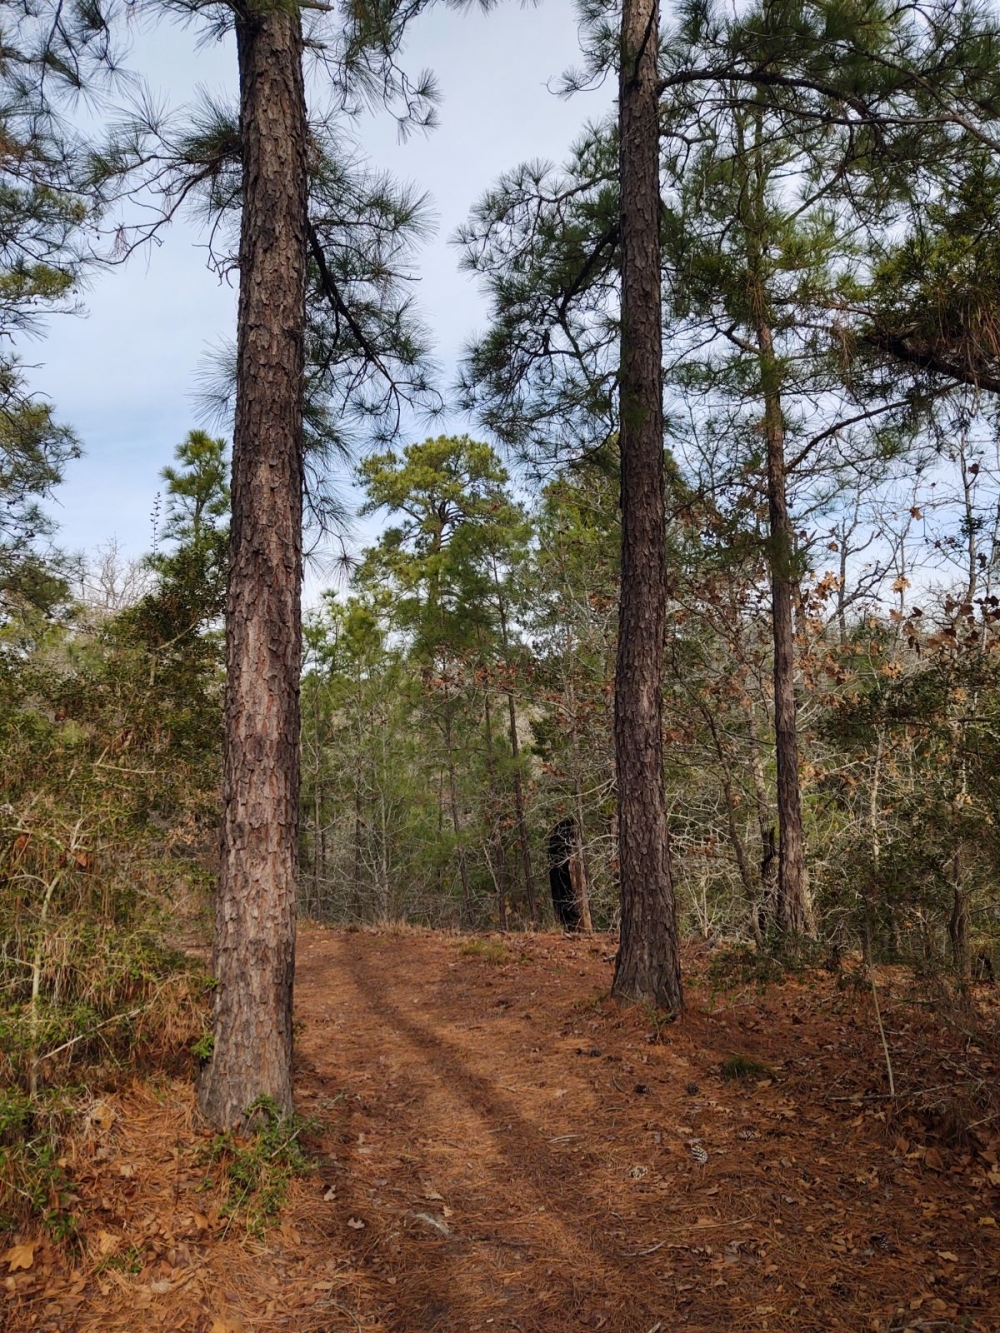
x=325 y=339
x=448 y=562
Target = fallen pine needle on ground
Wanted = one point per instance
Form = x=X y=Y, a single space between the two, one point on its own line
x=497 y=1144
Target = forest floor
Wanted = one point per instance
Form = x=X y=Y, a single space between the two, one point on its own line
x=499 y=1145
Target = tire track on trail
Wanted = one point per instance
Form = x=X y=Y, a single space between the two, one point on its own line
x=473 y=1211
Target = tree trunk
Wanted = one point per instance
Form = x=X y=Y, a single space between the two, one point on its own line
x=385 y=904
x=522 y=822
x=456 y=825
x=254 y=952
x=735 y=838
x=648 y=964
x=793 y=909
x=765 y=827
x=357 y=897
x=515 y=749
x=958 y=925
x=582 y=889
x=581 y=885
x=493 y=813
x=317 y=816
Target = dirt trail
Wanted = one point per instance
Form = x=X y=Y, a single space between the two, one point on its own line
x=488 y=1203
x=592 y=1172
x=501 y=1146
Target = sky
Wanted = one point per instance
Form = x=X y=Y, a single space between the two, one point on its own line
x=125 y=374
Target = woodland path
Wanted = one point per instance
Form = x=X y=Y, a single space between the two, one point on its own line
x=502 y=1147
x=525 y=1155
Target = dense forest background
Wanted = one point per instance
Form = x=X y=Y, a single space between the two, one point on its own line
x=457 y=707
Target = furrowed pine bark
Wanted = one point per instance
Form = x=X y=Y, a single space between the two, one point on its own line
x=253 y=956
x=648 y=964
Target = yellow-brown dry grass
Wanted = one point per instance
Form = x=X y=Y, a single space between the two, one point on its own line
x=502 y=1146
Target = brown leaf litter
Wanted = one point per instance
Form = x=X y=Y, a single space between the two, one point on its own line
x=499 y=1145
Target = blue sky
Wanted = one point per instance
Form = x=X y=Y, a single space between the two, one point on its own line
x=124 y=375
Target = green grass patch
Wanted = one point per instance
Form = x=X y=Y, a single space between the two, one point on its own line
x=494 y=952
x=33 y=1184
x=256 y=1172
x=743 y=1068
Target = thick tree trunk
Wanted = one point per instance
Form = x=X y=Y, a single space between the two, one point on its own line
x=254 y=951
x=793 y=909
x=648 y=964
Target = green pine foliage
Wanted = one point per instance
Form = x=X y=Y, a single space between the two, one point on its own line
x=110 y=730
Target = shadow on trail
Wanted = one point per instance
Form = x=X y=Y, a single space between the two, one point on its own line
x=540 y=1177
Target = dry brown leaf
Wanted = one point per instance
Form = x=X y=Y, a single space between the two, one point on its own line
x=20 y=1256
x=230 y=1323
x=107 y=1242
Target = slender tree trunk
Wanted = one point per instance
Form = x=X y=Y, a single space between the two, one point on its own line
x=463 y=871
x=765 y=828
x=522 y=821
x=735 y=838
x=872 y=888
x=385 y=904
x=317 y=816
x=254 y=953
x=440 y=832
x=515 y=749
x=958 y=925
x=582 y=886
x=582 y=890
x=322 y=850
x=648 y=964
x=356 y=867
x=793 y=908
x=496 y=832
